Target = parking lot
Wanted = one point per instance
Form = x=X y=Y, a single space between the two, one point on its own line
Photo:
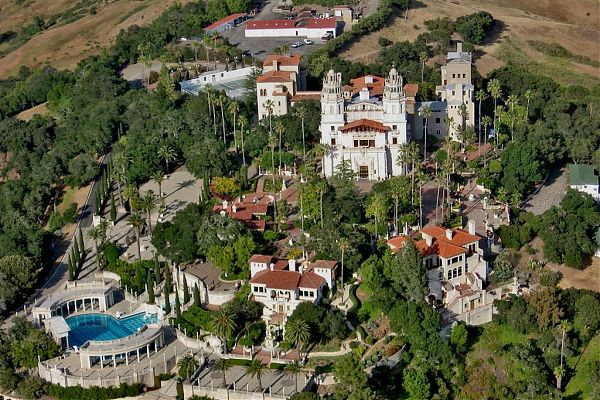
x=261 y=47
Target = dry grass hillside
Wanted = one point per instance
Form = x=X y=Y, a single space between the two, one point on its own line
x=63 y=46
x=575 y=25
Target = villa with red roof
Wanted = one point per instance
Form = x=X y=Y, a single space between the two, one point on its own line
x=250 y=213
x=456 y=270
x=281 y=285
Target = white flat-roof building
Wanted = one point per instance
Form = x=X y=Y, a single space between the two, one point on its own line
x=315 y=28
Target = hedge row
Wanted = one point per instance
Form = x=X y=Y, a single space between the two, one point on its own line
x=95 y=393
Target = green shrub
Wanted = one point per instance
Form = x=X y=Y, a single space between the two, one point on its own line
x=384 y=42
x=550 y=278
x=94 y=393
x=111 y=253
x=58 y=220
x=370 y=340
x=270 y=236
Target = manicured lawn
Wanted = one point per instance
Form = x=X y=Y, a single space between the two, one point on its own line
x=578 y=384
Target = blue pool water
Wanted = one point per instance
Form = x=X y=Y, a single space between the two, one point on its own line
x=104 y=327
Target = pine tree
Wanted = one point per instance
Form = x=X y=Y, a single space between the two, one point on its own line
x=150 y=284
x=113 y=209
x=157 y=274
x=177 y=305
x=80 y=240
x=186 y=291
x=196 y=295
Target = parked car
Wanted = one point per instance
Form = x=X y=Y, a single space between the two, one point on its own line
x=297 y=44
x=326 y=37
x=308 y=41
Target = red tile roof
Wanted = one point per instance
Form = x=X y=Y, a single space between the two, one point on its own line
x=291 y=60
x=376 y=87
x=271 y=24
x=310 y=280
x=258 y=258
x=440 y=244
x=275 y=76
x=322 y=23
x=411 y=89
x=327 y=264
x=299 y=96
x=365 y=124
x=285 y=280
x=225 y=20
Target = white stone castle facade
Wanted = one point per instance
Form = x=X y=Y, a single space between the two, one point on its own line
x=365 y=123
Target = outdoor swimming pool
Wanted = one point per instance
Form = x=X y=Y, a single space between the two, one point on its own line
x=104 y=327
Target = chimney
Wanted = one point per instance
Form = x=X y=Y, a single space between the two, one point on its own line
x=449 y=234
x=225 y=204
x=234 y=208
x=428 y=240
x=292 y=265
x=275 y=65
x=471 y=227
x=364 y=94
x=368 y=79
x=272 y=267
x=459 y=47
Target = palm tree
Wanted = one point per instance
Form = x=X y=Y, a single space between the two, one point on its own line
x=188 y=365
x=425 y=113
x=423 y=58
x=398 y=189
x=223 y=325
x=95 y=234
x=344 y=245
x=496 y=93
x=321 y=187
x=119 y=178
x=319 y=152
x=159 y=178
x=270 y=106
x=377 y=209
x=512 y=101
x=486 y=121
x=167 y=154
x=256 y=369
x=234 y=108
x=279 y=129
x=480 y=96
x=220 y=101
x=528 y=95
x=148 y=202
x=463 y=112
x=243 y=122
x=272 y=142
x=294 y=369
x=422 y=181
x=297 y=331
x=409 y=154
x=301 y=113
x=564 y=327
x=223 y=365
x=130 y=195
x=138 y=223
x=448 y=124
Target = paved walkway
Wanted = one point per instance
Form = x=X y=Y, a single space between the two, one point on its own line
x=550 y=194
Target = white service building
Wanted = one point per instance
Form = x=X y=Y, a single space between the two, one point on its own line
x=314 y=28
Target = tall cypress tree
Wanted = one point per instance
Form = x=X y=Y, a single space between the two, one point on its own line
x=97 y=205
x=76 y=247
x=150 y=284
x=167 y=290
x=157 y=274
x=167 y=303
x=80 y=240
x=113 y=208
x=186 y=291
x=71 y=269
x=196 y=295
x=76 y=258
x=177 y=305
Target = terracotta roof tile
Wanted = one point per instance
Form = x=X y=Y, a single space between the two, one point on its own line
x=411 y=89
x=322 y=23
x=275 y=76
x=271 y=24
x=327 y=264
x=258 y=258
x=310 y=280
x=299 y=96
x=365 y=123
x=291 y=60
x=285 y=280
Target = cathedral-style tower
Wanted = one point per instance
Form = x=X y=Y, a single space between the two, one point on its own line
x=332 y=114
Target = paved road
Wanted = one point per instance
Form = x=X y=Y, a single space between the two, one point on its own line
x=58 y=275
x=550 y=194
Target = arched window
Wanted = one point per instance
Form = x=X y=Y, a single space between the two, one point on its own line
x=449 y=274
x=454 y=273
x=459 y=271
